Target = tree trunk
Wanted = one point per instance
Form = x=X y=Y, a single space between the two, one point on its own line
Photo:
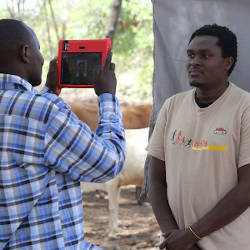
x=64 y=28
x=54 y=20
x=113 y=21
x=48 y=28
x=15 y=8
x=11 y=10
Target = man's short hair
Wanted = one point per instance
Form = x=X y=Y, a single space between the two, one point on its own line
x=13 y=32
x=227 y=40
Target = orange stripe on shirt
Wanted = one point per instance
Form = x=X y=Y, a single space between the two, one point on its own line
x=210 y=147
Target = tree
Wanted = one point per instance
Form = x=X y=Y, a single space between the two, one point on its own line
x=128 y=23
x=115 y=14
x=15 y=7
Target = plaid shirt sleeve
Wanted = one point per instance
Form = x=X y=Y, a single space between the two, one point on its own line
x=49 y=94
x=72 y=148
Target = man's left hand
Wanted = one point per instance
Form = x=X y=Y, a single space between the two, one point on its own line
x=51 y=81
x=178 y=240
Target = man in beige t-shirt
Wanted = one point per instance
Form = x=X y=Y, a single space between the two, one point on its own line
x=200 y=148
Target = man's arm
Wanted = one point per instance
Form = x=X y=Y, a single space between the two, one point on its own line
x=158 y=195
x=159 y=200
x=71 y=148
x=221 y=215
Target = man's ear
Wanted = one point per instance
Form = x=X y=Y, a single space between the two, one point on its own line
x=229 y=62
x=24 y=53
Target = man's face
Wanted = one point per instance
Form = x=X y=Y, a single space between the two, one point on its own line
x=35 y=75
x=205 y=66
x=81 y=68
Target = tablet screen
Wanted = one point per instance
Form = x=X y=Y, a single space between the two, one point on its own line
x=78 y=68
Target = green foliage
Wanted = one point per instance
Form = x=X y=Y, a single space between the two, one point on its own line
x=88 y=19
x=133 y=49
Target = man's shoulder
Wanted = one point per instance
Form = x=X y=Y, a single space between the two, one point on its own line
x=180 y=97
x=242 y=96
x=39 y=100
x=177 y=100
x=184 y=94
x=58 y=101
x=43 y=108
x=29 y=105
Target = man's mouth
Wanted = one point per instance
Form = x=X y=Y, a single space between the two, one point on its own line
x=195 y=72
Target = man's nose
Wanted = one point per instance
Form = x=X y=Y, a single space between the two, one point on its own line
x=195 y=60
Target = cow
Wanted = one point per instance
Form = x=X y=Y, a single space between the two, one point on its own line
x=132 y=174
x=134 y=116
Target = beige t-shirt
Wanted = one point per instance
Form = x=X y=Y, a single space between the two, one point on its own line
x=202 y=149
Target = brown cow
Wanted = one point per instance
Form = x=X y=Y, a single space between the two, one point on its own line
x=134 y=116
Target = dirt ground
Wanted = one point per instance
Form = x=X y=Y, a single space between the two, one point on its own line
x=137 y=224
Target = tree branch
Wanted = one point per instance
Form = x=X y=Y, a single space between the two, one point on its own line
x=113 y=21
x=54 y=19
x=48 y=28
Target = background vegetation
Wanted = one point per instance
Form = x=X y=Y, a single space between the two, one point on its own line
x=90 y=19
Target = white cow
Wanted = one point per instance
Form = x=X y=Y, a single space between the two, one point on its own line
x=132 y=174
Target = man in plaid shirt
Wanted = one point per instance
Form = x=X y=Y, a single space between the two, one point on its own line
x=46 y=151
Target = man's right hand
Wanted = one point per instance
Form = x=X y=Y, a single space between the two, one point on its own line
x=106 y=80
x=51 y=81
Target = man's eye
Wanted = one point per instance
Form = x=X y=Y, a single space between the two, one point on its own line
x=205 y=56
x=190 y=56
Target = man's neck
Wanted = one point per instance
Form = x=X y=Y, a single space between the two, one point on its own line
x=211 y=95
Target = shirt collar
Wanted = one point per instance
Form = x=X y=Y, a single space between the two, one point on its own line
x=10 y=82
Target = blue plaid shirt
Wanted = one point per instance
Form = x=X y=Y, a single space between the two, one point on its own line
x=45 y=151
